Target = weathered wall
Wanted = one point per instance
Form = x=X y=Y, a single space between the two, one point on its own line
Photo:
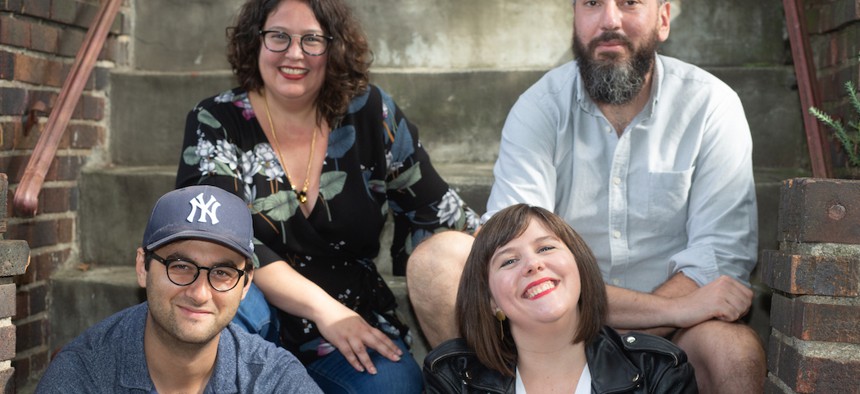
x=38 y=43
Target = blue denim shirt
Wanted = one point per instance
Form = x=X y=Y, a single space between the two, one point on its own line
x=109 y=358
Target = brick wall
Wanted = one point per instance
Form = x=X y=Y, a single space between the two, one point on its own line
x=14 y=256
x=834 y=35
x=38 y=42
x=815 y=311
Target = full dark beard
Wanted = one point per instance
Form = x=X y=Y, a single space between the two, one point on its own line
x=613 y=81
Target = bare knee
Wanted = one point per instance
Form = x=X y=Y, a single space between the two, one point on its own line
x=726 y=356
x=445 y=252
x=432 y=278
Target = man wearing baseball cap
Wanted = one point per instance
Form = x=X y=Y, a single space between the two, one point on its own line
x=196 y=263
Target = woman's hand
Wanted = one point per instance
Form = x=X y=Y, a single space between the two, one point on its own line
x=339 y=325
x=352 y=336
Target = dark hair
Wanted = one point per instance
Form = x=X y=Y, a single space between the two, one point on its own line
x=349 y=57
x=475 y=316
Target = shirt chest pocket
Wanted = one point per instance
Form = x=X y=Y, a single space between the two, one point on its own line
x=668 y=197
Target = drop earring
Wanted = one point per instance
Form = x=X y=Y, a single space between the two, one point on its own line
x=500 y=316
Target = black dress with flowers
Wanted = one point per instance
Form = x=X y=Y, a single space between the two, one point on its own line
x=374 y=165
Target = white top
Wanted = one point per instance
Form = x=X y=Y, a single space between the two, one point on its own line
x=674 y=193
x=583 y=387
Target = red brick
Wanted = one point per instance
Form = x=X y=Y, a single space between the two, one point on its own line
x=31 y=335
x=829 y=16
x=83 y=136
x=13 y=101
x=43 y=232
x=814 y=367
x=811 y=275
x=812 y=319
x=819 y=210
x=4 y=190
x=44 y=38
x=85 y=14
x=38 y=8
x=65 y=168
x=7 y=384
x=22 y=301
x=14 y=32
x=10 y=5
x=64 y=11
x=37 y=71
x=45 y=264
x=7 y=342
x=7 y=300
x=70 y=42
x=13 y=166
x=90 y=108
x=58 y=199
x=7 y=65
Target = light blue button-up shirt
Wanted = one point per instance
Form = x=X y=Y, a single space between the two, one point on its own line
x=674 y=193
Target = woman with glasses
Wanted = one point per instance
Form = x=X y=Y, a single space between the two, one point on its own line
x=321 y=157
x=531 y=310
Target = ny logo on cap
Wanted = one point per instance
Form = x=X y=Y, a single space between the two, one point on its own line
x=206 y=209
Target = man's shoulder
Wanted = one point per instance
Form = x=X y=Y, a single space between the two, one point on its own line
x=100 y=353
x=111 y=333
x=689 y=75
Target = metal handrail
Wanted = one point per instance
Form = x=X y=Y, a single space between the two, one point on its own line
x=26 y=199
x=808 y=88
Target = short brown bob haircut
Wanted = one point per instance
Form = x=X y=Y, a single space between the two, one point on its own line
x=475 y=315
x=349 y=57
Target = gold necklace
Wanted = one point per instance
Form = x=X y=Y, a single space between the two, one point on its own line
x=302 y=195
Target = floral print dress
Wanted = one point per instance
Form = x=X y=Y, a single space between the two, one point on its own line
x=374 y=165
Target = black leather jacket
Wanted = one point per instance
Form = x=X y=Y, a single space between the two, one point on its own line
x=632 y=363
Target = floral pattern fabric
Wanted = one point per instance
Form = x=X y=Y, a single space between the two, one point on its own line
x=374 y=164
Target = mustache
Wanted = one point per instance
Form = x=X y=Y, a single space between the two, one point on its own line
x=610 y=36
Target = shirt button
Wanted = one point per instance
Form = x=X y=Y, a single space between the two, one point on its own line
x=616 y=234
x=616 y=181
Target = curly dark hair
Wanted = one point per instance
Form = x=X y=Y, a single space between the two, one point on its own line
x=349 y=57
x=476 y=321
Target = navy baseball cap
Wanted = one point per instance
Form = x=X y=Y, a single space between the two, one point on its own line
x=201 y=212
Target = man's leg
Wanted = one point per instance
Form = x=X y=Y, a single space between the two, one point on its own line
x=432 y=277
x=727 y=357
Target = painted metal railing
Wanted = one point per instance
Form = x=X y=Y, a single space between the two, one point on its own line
x=26 y=199
x=819 y=153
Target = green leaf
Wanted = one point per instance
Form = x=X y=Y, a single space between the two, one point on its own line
x=331 y=183
x=206 y=118
x=190 y=157
x=279 y=206
x=406 y=178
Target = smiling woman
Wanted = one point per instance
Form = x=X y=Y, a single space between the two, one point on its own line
x=531 y=309
x=320 y=156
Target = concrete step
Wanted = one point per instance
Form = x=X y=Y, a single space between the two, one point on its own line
x=82 y=298
x=459 y=114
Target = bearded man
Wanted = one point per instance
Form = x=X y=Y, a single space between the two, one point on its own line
x=649 y=159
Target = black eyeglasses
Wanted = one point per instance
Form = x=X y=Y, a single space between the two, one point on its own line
x=311 y=44
x=183 y=273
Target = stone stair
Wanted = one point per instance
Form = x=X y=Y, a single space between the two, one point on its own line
x=455 y=68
